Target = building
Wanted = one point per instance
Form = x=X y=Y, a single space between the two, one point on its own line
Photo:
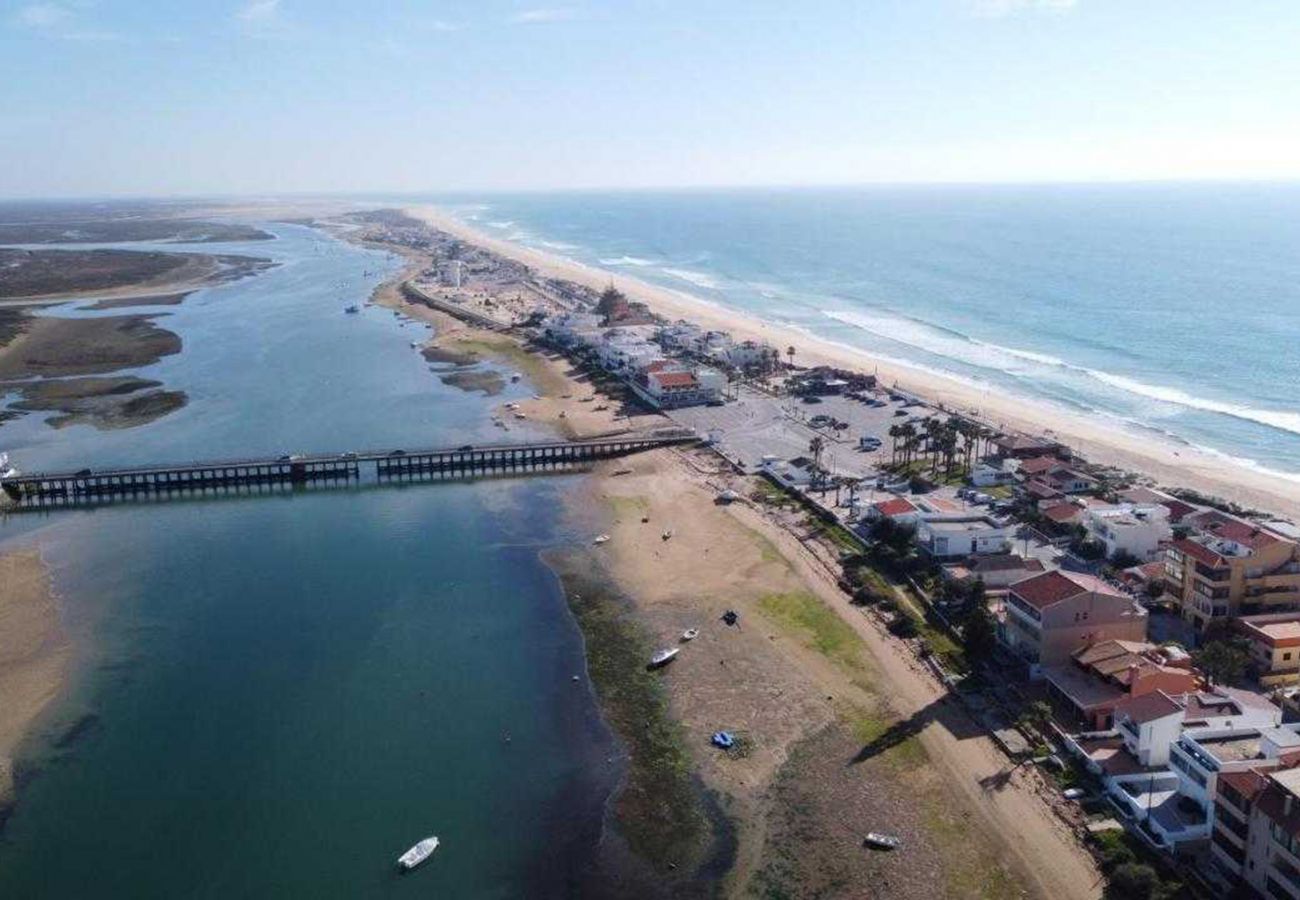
x=1274 y=641
x=901 y=510
x=1065 y=480
x=998 y=572
x=751 y=355
x=1024 y=446
x=985 y=475
x=1256 y=839
x=956 y=536
x=1226 y=567
x=1048 y=617
x=1102 y=675
x=1135 y=530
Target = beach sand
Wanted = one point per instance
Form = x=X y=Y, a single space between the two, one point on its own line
x=1169 y=464
x=34 y=654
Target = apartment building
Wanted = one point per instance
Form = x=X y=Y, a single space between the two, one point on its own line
x=1047 y=617
x=1226 y=567
x=1137 y=530
x=1274 y=642
x=1256 y=837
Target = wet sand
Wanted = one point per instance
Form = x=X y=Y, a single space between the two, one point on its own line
x=34 y=655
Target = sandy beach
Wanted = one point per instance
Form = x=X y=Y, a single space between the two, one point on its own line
x=844 y=726
x=34 y=654
x=1168 y=464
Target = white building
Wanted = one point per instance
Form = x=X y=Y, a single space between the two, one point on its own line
x=750 y=354
x=959 y=536
x=669 y=384
x=574 y=329
x=1132 y=528
x=621 y=350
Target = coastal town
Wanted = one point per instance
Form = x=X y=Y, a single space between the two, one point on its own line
x=1135 y=647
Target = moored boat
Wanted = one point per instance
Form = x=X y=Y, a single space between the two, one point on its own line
x=417 y=854
x=663 y=657
x=690 y=634
x=882 y=841
x=601 y=539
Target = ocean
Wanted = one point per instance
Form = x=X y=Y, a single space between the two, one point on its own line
x=277 y=696
x=1167 y=309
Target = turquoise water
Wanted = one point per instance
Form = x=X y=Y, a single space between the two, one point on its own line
x=279 y=695
x=1170 y=309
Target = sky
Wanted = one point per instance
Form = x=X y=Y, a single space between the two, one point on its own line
x=136 y=97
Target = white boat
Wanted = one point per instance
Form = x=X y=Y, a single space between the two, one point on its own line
x=601 y=539
x=728 y=496
x=882 y=841
x=663 y=657
x=417 y=854
x=690 y=634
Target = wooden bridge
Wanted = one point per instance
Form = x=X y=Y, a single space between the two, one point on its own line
x=93 y=487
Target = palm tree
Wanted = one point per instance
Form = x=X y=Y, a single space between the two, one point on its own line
x=815 y=447
x=789 y=351
x=895 y=432
x=908 y=432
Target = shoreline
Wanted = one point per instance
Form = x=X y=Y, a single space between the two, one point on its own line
x=35 y=657
x=1169 y=464
x=803 y=709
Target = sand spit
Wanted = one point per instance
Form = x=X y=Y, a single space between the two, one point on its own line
x=34 y=655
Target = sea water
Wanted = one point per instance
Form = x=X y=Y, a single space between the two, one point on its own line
x=276 y=696
x=1169 y=309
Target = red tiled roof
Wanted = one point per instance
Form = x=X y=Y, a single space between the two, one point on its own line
x=1062 y=512
x=1178 y=510
x=1235 y=530
x=1248 y=782
x=1040 y=489
x=896 y=507
x=1041 y=591
x=1199 y=552
x=675 y=379
x=1039 y=464
x=1147 y=707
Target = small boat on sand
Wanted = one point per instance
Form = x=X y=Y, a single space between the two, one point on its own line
x=668 y=533
x=417 y=854
x=728 y=496
x=723 y=739
x=601 y=539
x=882 y=841
x=664 y=657
x=690 y=634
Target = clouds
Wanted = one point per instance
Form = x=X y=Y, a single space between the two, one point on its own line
x=542 y=15
x=43 y=15
x=60 y=21
x=259 y=11
x=996 y=9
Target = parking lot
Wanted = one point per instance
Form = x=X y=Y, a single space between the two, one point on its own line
x=758 y=425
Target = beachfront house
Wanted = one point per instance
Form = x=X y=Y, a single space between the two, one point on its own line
x=943 y=537
x=1102 y=675
x=1129 y=529
x=1048 y=617
x=671 y=384
x=1227 y=567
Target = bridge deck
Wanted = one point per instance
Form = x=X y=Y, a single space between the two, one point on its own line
x=96 y=485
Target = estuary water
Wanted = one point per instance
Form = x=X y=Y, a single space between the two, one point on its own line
x=1172 y=309
x=279 y=695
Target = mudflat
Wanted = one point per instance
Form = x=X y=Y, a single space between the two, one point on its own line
x=43 y=274
x=53 y=347
x=102 y=402
x=34 y=655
